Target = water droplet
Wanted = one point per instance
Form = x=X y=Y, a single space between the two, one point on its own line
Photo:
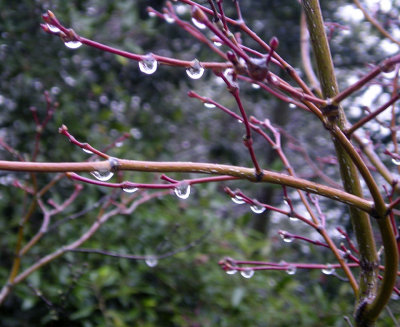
x=274 y=79
x=231 y=271
x=53 y=28
x=228 y=74
x=328 y=270
x=87 y=151
x=291 y=270
x=396 y=161
x=152 y=14
x=148 y=65
x=73 y=44
x=248 y=273
x=217 y=43
x=209 y=105
x=255 y=86
x=169 y=19
x=114 y=164
x=293 y=218
x=182 y=191
x=103 y=176
x=292 y=105
x=240 y=121
x=286 y=237
x=195 y=71
x=130 y=189
x=257 y=209
x=151 y=261
x=198 y=24
x=238 y=199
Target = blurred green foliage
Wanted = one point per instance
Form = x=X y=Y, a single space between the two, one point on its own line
x=101 y=97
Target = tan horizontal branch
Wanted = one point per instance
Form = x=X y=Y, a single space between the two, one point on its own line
x=192 y=167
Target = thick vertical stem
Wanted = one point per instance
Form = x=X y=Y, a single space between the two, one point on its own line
x=369 y=302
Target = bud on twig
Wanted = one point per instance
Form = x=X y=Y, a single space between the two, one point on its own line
x=199 y=15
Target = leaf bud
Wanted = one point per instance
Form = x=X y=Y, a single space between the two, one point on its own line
x=199 y=15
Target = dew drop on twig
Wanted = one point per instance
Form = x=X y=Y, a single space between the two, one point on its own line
x=237 y=199
x=255 y=86
x=291 y=270
x=73 y=44
x=182 y=191
x=209 y=105
x=87 y=151
x=286 y=238
x=130 y=189
x=257 y=209
x=148 y=64
x=198 y=24
x=195 y=71
x=151 y=261
x=248 y=273
x=396 y=161
x=53 y=29
x=231 y=271
x=328 y=270
x=168 y=18
x=102 y=175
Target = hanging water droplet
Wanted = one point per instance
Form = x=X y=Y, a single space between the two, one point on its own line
x=130 y=189
x=209 y=105
x=148 y=64
x=198 y=24
x=248 y=273
x=152 y=14
x=53 y=28
x=291 y=270
x=328 y=270
x=151 y=261
x=228 y=73
x=240 y=121
x=292 y=105
x=396 y=161
x=231 y=271
x=255 y=86
x=257 y=209
x=87 y=151
x=293 y=218
x=237 y=199
x=102 y=175
x=286 y=237
x=182 y=191
x=274 y=79
x=217 y=43
x=195 y=71
x=168 y=18
x=114 y=164
x=73 y=44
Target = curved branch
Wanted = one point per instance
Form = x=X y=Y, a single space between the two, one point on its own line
x=192 y=167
